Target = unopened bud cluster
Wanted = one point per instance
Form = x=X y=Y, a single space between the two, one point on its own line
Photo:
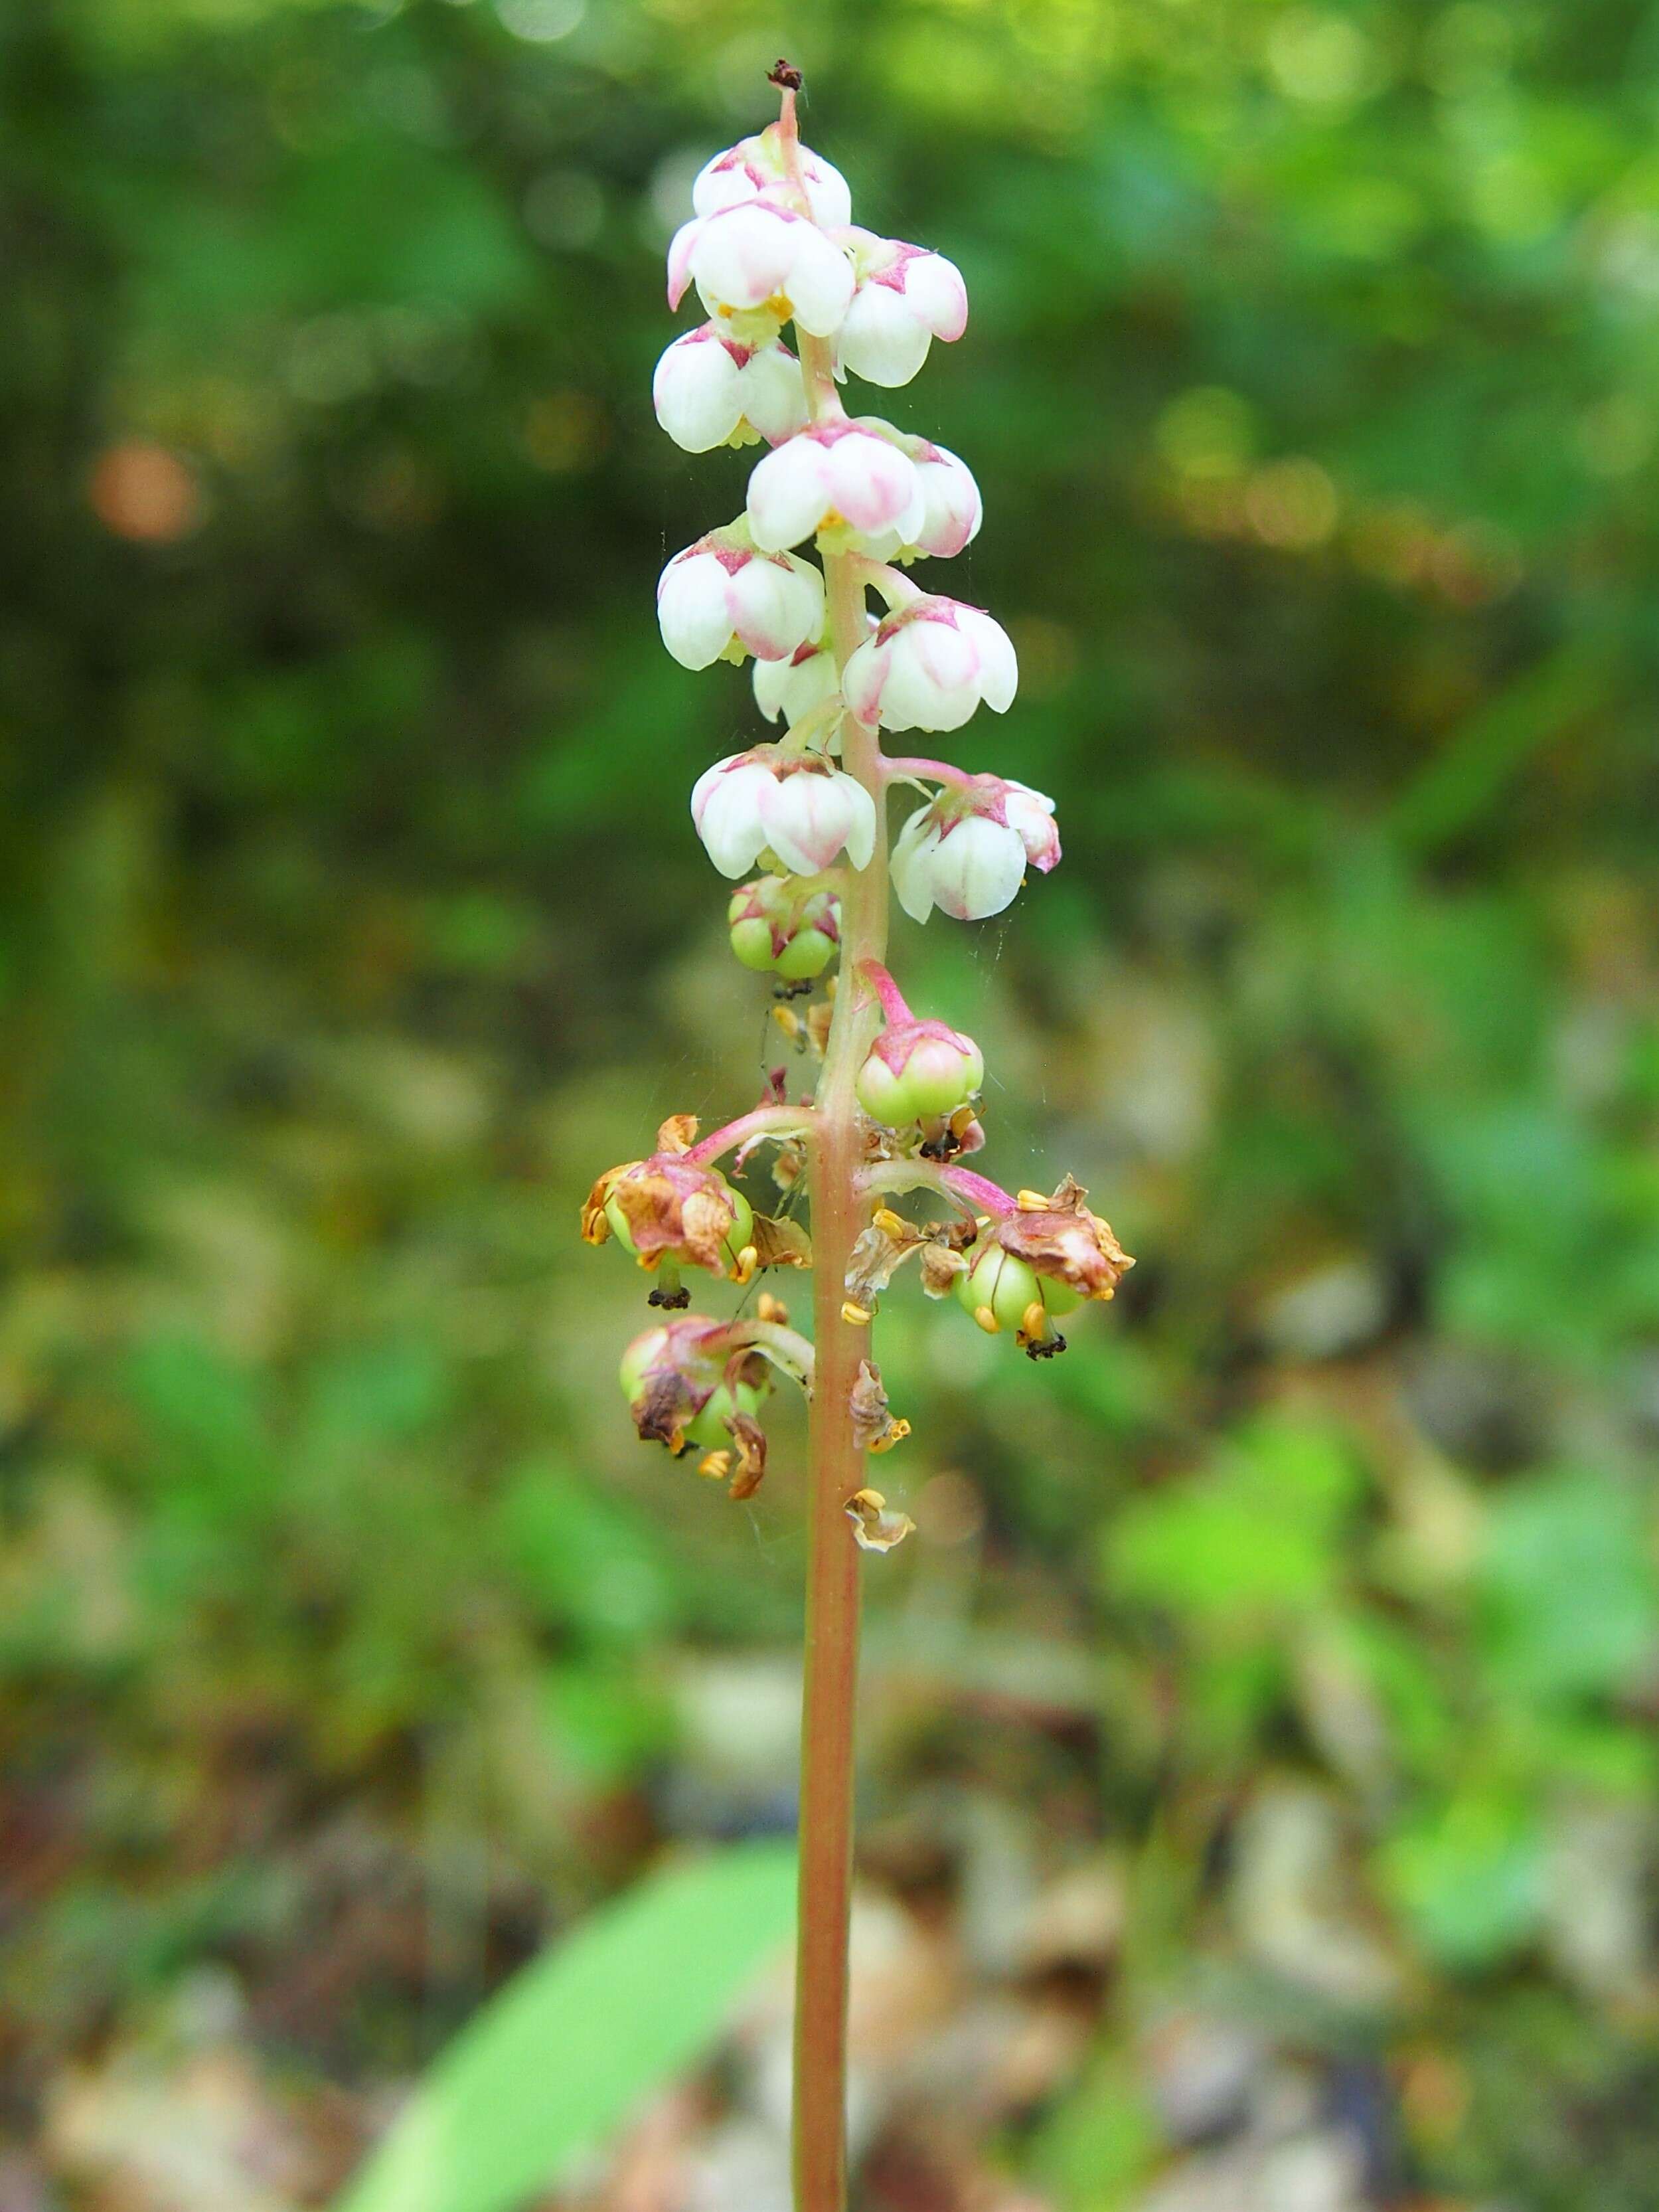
x=798 y=819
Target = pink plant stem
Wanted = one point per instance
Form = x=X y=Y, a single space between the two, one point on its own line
x=764 y=1122
x=893 y=998
x=974 y=1193
x=839 y=1211
x=897 y=766
x=894 y=585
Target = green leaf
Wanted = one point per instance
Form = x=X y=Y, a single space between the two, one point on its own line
x=1470 y=1876
x=1567 y=1584
x=1257 y=1536
x=559 y=2058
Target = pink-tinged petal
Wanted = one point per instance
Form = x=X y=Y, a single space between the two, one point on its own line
x=789 y=690
x=882 y=338
x=725 y=806
x=874 y=484
x=787 y=498
x=743 y=257
x=1032 y=817
x=693 y=610
x=681 y=247
x=774 y=394
x=778 y=604
x=954 y=508
x=860 y=829
x=911 y=865
x=862 y=678
x=999 y=665
x=978 y=868
x=819 y=283
x=698 y=391
x=931 y=679
x=935 y=291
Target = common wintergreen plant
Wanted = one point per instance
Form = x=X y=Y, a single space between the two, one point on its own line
x=895 y=1110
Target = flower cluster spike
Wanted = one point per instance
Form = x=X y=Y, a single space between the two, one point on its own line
x=795 y=302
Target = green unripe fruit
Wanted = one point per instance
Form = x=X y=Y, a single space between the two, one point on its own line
x=1006 y=1288
x=740 y=1234
x=708 y=1430
x=940 y=1074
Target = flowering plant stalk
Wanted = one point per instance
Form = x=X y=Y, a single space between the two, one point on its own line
x=895 y=1110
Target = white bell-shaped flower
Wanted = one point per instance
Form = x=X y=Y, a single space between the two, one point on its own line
x=907 y=297
x=758 y=165
x=951 y=509
x=794 y=806
x=758 y=254
x=723 y=598
x=709 y=391
x=930 y=665
x=834 y=474
x=967 y=852
x=789 y=691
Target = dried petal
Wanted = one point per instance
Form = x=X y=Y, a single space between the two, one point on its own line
x=941 y=1265
x=1061 y=1238
x=750 y=1440
x=874 y=1529
x=873 y=1428
x=780 y=1243
x=678 y=1133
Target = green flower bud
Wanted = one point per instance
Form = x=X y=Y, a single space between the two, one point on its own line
x=778 y=930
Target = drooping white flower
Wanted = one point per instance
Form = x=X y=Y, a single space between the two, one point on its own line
x=794 y=805
x=952 y=508
x=757 y=254
x=790 y=690
x=709 y=391
x=930 y=665
x=723 y=598
x=967 y=852
x=907 y=297
x=830 y=474
x=757 y=165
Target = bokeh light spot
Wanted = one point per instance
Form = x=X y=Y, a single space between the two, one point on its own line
x=141 y=491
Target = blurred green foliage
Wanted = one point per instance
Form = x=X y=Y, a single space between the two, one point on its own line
x=352 y=921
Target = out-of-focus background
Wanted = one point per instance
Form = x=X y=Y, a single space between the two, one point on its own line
x=1258 y=1786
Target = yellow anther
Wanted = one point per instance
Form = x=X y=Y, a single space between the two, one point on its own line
x=1033 y=1201
x=1035 y=1322
x=889 y=1223
x=787 y=1020
x=987 y=1321
x=716 y=1465
x=768 y=1308
x=856 y=1316
x=895 y=1435
x=747 y=1260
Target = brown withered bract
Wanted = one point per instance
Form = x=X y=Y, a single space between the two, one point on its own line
x=873 y=1428
x=1060 y=1238
x=780 y=1243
